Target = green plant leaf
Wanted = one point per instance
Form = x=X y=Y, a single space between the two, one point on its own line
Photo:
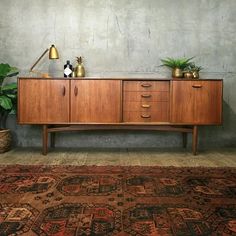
x=13 y=71
x=11 y=86
x=4 y=69
x=180 y=63
x=5 y=102
x=12 y=96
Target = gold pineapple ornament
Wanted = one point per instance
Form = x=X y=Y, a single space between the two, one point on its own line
x=79 y=69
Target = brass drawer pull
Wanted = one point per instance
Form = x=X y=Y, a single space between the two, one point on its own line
x=146 y=95
x=146 y=85
x=146 y=116
x=197 y=86
x=146 y=106
x=76 y=91
x=63 y=91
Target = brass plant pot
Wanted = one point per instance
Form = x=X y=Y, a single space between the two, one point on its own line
x=5 y=140
x=195 y=74
x=177 y=73
x=188 y=75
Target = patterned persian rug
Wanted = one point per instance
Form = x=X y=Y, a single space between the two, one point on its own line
x=93 y=200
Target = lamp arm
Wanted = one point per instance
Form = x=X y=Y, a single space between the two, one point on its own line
x=39 y=59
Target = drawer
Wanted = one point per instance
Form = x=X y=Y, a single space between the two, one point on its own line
x=144 y=106
x=157 y=115
x=146 y=86
x=132 y=96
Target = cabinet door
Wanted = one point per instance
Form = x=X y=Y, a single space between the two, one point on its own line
x=196 y=102
x=43 y=101
x=96 y=101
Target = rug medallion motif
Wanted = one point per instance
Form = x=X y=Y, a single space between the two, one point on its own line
x=115 y=200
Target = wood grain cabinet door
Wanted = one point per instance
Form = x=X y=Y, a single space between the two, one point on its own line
x=95 y=101
x=196 y=102
x=43 y=101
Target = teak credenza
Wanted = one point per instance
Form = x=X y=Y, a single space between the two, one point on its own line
x=60 y=104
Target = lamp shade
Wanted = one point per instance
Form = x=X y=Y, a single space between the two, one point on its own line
x=53 y=53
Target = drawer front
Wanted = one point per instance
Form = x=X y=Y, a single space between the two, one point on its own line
x=133 y=96
x=156 y=115
x=144 y=106
x=146 y=86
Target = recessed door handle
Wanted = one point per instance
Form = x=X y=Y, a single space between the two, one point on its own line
x=197 y=86
x=146 y=105
x=63 y=91
x=146 y=95
x=146 y=116
x=146 y=85
x=76 y=91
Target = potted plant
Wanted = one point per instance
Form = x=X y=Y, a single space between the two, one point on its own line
x=192 y=71
x=8 y=97
x=177 y=65
x=195 y=70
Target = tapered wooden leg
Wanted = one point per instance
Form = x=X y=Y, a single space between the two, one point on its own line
x=184 y=134
x=52 y=141
x=45 y=139
x=195 y=140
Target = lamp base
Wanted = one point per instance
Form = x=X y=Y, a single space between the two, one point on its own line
x=46 y=75
x=43 y=75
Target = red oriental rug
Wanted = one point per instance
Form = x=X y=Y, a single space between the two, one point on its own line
x=93 y=200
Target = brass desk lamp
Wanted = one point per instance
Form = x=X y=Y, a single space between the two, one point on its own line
x=53 y=54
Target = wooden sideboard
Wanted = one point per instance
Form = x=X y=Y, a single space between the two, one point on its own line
x=60 y=104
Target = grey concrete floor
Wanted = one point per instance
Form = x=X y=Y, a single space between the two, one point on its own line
x=124 y=157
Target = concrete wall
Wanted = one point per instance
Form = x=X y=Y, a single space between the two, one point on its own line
x=124 y=38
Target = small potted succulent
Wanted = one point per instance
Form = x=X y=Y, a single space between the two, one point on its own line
x=192 y=71
x=8 y=97
x=178 y=65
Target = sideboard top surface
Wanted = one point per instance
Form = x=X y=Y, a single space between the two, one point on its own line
x=119 y=78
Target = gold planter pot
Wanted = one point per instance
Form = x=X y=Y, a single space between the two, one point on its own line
x=177 y=73
x=195 y=74
x=188 y=75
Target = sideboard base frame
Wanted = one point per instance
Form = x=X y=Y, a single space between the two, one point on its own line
x=53 y=129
